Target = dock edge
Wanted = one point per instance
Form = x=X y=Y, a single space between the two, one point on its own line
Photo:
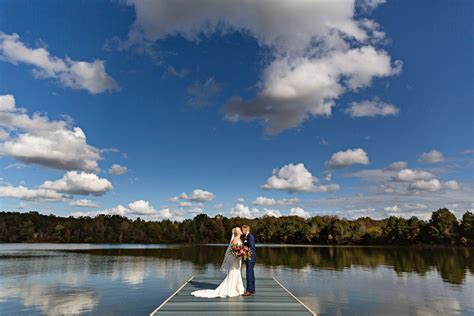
x=166 y=301
x=309 y=310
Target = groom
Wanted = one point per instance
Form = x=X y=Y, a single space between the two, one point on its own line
x=249 y=241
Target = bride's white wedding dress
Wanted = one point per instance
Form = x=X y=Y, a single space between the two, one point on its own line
x=232 y=284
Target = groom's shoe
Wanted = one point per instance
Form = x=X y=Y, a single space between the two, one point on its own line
x=247 y=293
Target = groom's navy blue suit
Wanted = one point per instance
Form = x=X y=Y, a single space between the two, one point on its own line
x=249 y=241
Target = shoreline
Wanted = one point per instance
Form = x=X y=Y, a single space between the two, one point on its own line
x=260 y=245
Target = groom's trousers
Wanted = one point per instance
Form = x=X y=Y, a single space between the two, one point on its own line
x=250 y=275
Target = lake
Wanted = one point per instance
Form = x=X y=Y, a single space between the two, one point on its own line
x=134 y=279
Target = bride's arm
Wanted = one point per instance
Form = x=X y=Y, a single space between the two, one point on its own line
x=235 y=240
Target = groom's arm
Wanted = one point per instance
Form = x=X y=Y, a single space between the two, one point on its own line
x=251 y=242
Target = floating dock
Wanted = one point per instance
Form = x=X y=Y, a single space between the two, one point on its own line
x=271 y=298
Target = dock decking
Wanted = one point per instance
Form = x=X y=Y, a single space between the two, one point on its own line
x=271 y=298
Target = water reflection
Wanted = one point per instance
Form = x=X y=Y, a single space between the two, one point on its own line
x=104 y=279
x=51 y=300
x=55 y=282
x=451 y=263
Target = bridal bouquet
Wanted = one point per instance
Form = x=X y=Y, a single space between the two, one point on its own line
x=243 y=252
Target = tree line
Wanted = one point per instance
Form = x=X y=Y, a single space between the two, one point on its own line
x=443 y=228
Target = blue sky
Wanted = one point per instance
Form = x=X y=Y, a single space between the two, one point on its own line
x=247 y=108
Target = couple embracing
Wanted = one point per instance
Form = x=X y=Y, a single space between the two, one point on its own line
x=233 y=284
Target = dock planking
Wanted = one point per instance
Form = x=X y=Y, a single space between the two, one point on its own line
x=271 y=298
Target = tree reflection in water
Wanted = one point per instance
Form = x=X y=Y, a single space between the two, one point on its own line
x=451 y=264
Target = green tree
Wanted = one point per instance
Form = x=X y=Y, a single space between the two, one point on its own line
x=443 y=227
x=395 y=230
x=467 y=229
x=412 y=230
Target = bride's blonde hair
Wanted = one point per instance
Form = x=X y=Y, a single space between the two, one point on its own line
x=236 y=231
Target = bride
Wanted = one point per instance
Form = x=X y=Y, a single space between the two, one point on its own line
x=232 y=284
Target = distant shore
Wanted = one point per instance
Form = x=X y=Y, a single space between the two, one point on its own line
x=443 y=229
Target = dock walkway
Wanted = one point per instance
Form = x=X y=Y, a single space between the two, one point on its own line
x=271 y=298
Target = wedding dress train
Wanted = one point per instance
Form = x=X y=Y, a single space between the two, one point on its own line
x=232 y=284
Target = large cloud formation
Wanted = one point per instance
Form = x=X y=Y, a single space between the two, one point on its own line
x=37 y=140
x=81 y=75
x=319 y=50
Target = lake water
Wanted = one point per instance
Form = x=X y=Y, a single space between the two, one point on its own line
x=134 y=279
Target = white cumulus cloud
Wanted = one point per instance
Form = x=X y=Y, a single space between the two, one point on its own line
x=434 y=156
x=24 y=193
x=452 y=185
x=117 y=169
x=397 y=181
x=271 y=212
x=7 y=103
x=298 y=211
x=37 y=140
x=397 y=165
x=195 y=211
x=197 y=195
x=82 y=183
x=89 y=76
x=84 y=203
x=118 y=210
x=296 y=178
x=369 y=5
x=432 y=185
x=371 y=108
x=167 y=213
x=141 y=207
x=294 y=90
x=261 y=200
x=343 y=159
x=410 y=175
x=319 y=50
x=393 y=209
x=240 y=210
